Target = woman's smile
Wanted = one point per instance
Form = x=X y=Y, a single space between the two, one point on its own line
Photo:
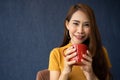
x=79 y=37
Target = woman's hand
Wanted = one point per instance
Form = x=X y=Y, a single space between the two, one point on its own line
x=69 y=53
x=87 y=66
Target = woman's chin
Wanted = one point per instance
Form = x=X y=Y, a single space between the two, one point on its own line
x=78 y=42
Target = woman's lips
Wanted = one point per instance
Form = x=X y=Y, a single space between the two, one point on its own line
x=79 y=37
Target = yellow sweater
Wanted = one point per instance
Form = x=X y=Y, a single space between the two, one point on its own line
x=56 y=63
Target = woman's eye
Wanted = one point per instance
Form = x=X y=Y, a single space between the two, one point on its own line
x=76 y=24
x=87 y=25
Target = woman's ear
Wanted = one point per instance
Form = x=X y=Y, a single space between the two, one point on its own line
x=66 y=24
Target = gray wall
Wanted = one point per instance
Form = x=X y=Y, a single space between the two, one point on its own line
x=29 y=29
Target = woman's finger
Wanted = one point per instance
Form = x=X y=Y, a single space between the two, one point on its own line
x=85 y=62
x=88 y=58
x=68 y=57
x=71 y=62
x=88 y=53
x=69 y=50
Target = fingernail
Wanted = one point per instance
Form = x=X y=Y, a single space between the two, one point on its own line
x=82 y=60
x=83 y=55
x=76 y=53
x=87 y=51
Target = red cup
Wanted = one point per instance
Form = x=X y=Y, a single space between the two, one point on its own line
x=80 y=49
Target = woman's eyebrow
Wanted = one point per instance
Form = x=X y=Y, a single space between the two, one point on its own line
x=88 y=22
x=76 y=21
x=79 y=21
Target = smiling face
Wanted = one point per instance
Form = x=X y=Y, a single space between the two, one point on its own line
x=78 y=27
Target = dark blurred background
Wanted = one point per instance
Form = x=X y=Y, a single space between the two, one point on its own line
x=30 y=29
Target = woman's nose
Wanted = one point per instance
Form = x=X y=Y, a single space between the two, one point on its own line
x=80 y=30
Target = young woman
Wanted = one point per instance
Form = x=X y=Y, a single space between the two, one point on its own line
x=80 y=28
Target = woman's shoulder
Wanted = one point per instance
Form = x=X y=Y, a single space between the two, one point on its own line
x=56 y=50
x=60 y=49
x=104 y=48
x=105 y=51
x=107 y=56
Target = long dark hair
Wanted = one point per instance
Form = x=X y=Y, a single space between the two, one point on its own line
x=100 y=66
